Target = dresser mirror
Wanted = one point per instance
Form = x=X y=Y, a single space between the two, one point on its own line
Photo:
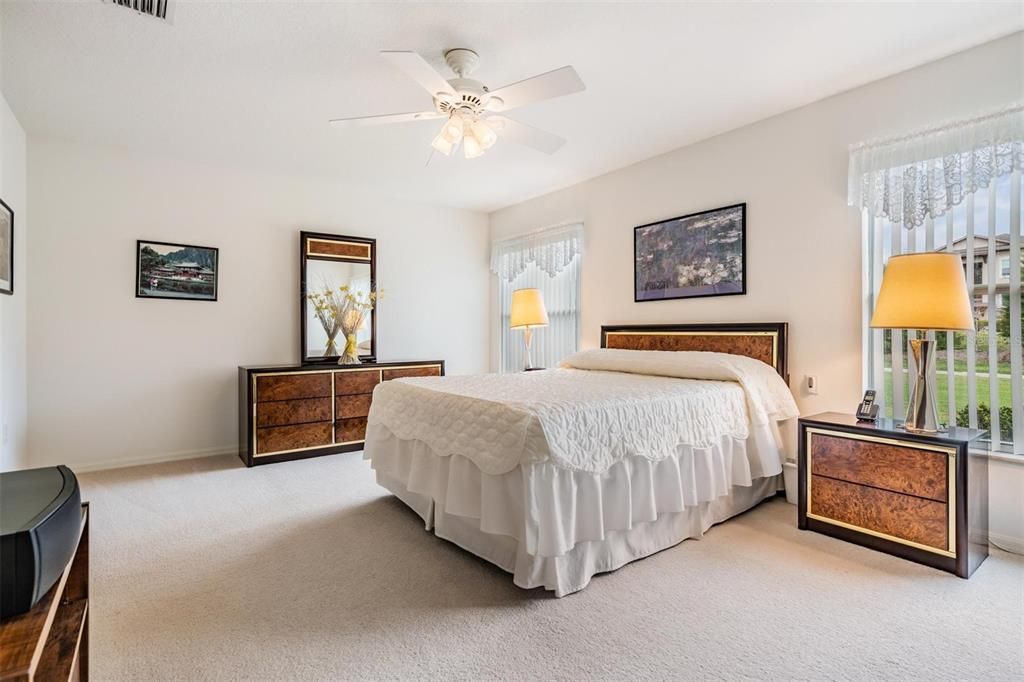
x=330 y=262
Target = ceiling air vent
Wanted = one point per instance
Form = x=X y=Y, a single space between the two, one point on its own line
x=158 y=9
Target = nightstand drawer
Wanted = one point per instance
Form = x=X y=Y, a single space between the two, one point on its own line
x=914 y=519
x=894 y=467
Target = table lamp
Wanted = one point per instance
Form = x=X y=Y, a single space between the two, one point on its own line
x=923 y=291
x=528 y=312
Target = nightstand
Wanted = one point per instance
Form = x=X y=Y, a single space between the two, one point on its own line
x=920 y=497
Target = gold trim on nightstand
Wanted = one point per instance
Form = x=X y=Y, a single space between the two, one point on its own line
x=950 y=453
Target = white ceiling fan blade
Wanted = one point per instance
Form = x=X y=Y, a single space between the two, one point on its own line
x=417 y=68
x=360 y=121
x=515 y=131
x=563 y=81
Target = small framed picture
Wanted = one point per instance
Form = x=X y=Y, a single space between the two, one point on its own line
x=701 y=254
x=6 y=248
x=167 y=270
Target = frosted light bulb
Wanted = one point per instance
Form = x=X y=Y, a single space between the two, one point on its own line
x=484 y=134
x=471 y=146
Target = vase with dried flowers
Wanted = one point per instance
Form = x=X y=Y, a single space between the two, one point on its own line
x=343 y=310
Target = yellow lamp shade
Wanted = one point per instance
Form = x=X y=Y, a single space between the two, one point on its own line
x=924 y=291
x=528 y=309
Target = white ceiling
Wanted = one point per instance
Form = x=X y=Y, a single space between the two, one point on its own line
x=252 y=85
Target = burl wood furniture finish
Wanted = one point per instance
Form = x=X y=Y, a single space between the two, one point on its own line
x=920 y=497
x=764 y=341
x=51 y=642
x=296 y=411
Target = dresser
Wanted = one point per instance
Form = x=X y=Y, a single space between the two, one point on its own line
x=922 y=497
x=294 y=411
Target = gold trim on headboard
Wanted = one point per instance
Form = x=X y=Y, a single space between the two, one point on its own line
x=616 y=336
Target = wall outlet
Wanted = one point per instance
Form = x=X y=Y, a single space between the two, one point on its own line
x=812 y=384
x=5 y=435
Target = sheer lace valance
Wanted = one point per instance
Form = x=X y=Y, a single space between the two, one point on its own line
x=922 y=175
x=552 y=250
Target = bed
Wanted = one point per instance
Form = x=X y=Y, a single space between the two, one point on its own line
x=623 y=451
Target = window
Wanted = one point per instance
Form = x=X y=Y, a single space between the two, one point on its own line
x=550 y=261
x=954 y=187
x=978 y=373
x=561 y=299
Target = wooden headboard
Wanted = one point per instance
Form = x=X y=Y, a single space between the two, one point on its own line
x=765 y=341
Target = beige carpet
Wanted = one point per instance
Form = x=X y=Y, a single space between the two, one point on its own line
x=307 y=570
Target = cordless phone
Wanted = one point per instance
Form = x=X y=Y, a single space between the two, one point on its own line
x=867 y=411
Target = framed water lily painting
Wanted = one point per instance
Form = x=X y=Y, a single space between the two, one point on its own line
x=691 y=256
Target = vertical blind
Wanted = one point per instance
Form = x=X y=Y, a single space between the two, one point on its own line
x=549 y=260
x=980 y=372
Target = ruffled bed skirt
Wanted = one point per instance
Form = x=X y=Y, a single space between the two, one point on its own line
x=555 y=528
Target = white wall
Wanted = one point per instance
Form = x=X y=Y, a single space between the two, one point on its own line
x=13 y=329
x=116 y=379
x=803 y=242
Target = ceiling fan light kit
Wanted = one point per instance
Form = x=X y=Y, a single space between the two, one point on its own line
x=470 y=108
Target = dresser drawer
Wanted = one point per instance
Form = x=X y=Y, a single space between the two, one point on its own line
x=282 y=412
x=349 y=430
x=915 y=519
x=348 y=406
x=283 y=438
x=293 y=386
x=356 y=381
x=893 y=467
x=425 y=371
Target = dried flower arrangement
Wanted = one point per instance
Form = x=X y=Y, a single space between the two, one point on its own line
x=343 y=309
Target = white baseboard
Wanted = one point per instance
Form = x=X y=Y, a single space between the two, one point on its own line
x=122 y=462
x=1007 y=542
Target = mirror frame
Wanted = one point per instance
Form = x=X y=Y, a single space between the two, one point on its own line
x=354 y=245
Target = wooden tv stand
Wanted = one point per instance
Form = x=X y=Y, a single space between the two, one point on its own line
x=51 y=642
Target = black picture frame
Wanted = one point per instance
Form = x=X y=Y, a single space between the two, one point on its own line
x=8 y=254
x=304 y=237
x=713 y=289
x=170 y=295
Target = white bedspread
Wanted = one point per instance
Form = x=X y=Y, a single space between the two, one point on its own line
x=581 y=417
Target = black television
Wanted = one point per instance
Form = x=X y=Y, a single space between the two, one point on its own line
x=40 y=521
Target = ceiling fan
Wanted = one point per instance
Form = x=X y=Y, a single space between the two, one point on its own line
x=474 y=112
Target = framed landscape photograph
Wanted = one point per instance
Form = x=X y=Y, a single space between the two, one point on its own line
x=6 y=248
x=701 y=254
x=166 y=270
